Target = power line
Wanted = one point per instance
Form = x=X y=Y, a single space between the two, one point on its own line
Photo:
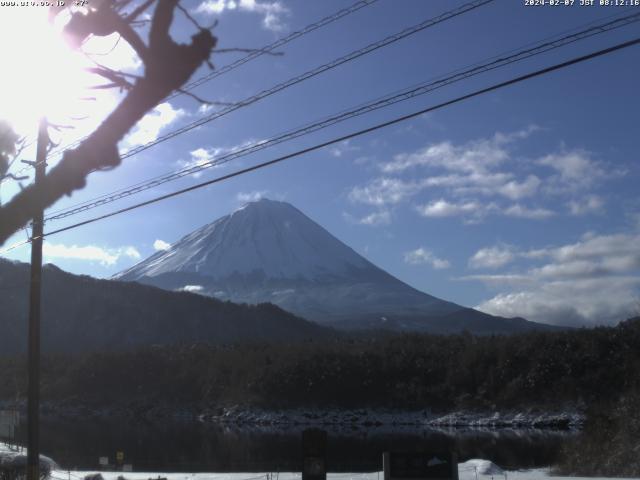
x=365 y=108
x=310 y=74
x=257 y=53
x=275 y=45
x=358 y=133
x=391 y=99
x=467 y=7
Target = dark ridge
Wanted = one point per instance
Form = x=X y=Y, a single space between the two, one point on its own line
x=81 y=313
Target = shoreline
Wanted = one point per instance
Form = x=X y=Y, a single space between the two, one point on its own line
x=567 y=419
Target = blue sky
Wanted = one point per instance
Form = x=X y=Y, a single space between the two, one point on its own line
x=519 y=202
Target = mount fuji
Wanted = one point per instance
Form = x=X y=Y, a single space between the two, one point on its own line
x=269 y=251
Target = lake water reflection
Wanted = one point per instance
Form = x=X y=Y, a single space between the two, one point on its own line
x=197 y=447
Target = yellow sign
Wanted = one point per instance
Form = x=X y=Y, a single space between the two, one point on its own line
x=119 y=456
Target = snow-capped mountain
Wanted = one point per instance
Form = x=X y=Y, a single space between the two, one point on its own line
x=269 y=251
x=269 y=238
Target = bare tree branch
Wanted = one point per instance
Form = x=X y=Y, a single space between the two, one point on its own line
x=168 y=66
x=116 y=78
x=108 y=52
x=21 y=144
x=189 y=17
x=14 y=177
x=203 y=101
x=103 y=21
x=133 y=16
x=11 y=147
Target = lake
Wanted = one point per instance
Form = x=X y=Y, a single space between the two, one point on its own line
x=197 y=447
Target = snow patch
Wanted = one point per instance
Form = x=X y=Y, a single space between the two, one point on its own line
x=483 y=467
x=17 y=457
x=466 y=471
x=192 y=288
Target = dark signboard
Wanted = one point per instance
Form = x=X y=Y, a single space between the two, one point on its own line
x=420 y=465
x=314 y=452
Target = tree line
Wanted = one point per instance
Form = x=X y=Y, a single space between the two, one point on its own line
x=409 y=371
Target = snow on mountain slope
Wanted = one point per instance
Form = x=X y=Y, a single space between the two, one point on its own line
x=267 y=236
x=269 y=251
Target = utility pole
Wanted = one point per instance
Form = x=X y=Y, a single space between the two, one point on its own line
x=33 y=400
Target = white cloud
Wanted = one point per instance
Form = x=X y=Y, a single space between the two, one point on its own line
x=575 y=165
x=620 y=246
x=161 y=245
x=500 y=279
x=215 y=6
x=376 y=218
x=575 y=170
x=422 y=256
x=588 y=205
x=475 y=211
x=462 y=171
x=492 y=257
x=373 y=219
x=205 y=108
x=593 y=281
x=483 y=177
x=476 y=156
x=192 y=288
x=106 y=257
x=148 y=129
x=132 y=252
x=572 y=303
x=521 y=211
x=516 y=190
x=202 y=157
x=443 y=208
x=272 y=11
x=485 y=183
x=254 y=196
x=343 y=148
x=384 y=191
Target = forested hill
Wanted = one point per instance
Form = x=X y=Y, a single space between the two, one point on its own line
x=81 y=313
x=537 y=369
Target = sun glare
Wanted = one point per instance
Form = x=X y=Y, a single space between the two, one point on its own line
x=43 y=76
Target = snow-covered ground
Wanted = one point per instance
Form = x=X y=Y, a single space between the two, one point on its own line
x=11 y=457
x=470 y=470
x=467 y=471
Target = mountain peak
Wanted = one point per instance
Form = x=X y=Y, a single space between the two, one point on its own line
x=269 y=251
x=267 y=238
x=263 y=203
x=267 y=201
